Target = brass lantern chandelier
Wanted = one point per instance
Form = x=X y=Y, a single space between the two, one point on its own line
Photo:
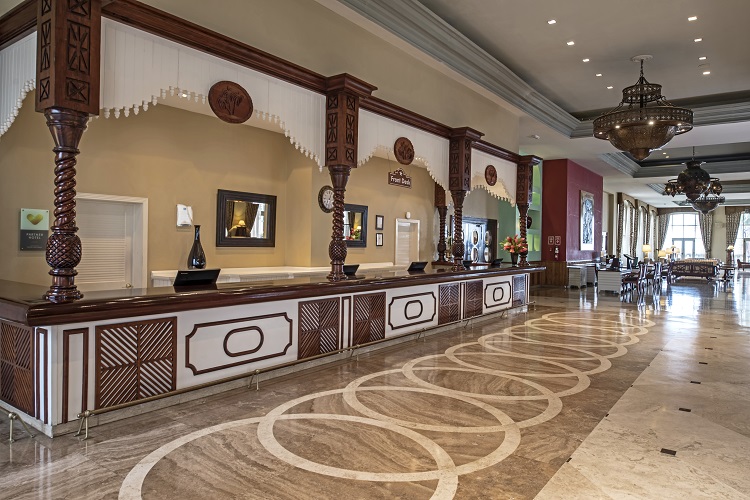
x=644 y=120
x=701 y=190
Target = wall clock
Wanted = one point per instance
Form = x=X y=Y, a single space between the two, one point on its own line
x=325 y=199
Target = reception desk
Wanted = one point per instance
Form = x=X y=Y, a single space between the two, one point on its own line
x=114 y=350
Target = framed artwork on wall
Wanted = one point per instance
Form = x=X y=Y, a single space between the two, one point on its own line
x=587 y=221
x=378 y=222
x=378 y=239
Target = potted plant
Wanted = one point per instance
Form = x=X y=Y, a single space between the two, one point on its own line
x=515 y=245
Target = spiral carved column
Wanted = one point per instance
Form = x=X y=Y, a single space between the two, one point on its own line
x=441 y=246
x=64 y=245
x=523 y=212
x=337 y=247
x=457 y=250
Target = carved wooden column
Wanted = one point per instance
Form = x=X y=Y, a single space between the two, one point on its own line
x=343 y=93
x=68 y=40
x=524 y=189
x=442 y=208
x=459 y=182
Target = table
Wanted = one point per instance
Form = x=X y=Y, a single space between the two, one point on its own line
x=610 y=280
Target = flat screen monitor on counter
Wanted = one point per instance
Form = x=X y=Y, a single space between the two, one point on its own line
x=416 y=267
x=196 y=277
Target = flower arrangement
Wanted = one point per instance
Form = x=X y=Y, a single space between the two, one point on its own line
x=515 y=244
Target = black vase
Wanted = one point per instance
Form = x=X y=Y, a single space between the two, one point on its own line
x=514 y=259
x=197 y=257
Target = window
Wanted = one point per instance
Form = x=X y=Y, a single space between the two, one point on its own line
x=684 y=233
x=742 y=244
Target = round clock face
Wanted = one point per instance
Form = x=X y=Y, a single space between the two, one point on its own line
x=325 y=199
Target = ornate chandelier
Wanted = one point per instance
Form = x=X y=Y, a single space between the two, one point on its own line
x=644 y=120
x=701 y=190
x=707 y=203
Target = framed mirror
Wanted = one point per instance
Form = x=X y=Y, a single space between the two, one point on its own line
x=245 y=219
x=355 y=225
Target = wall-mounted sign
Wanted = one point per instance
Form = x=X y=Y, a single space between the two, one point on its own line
x=230 y=102
x=558 y=240
x=34 y=229
x=399 y=178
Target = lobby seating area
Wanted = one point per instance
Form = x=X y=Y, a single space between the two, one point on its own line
x=694 y=268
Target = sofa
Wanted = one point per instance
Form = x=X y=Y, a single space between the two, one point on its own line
x=694 y=268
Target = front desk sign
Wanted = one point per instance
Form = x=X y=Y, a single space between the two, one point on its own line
x=34 y=229
x=399 y=178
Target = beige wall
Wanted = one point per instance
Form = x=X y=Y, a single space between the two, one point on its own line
x=306 y=33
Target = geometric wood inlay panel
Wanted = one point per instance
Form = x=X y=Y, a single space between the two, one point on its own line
x=17 y=366
x=319 y=328
x=449 y=310
x=519 y=290
x=135 y=360
x=369 y=318
x=473 y=299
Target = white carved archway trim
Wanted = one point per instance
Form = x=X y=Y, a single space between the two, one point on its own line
x=138 y=68
x=505 y=188
x=17 y=78
x=377 y=134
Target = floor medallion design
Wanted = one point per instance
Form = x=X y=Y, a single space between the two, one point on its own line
x=412 y=425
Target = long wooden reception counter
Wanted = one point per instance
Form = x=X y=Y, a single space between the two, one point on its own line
x=115 y=349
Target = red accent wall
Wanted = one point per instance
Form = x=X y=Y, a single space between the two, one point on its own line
x=562 y=183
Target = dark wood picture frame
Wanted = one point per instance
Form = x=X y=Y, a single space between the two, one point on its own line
x=379 y=222
x=223 y=239
x=362 y=241
x=378 y=239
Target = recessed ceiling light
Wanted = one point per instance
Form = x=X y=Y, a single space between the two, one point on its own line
x=698 y=40
x=706 y=72
x=551 y=21
x=702 y=58
x=598 y=74
x=586 y=60
x=184 y=94
x=571 y=42
x=693 y=18
x=664 y=153
x=667 y=156
x=651 y=122
x=610 y=87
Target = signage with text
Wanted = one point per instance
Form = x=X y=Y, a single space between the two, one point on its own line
x=399 y=178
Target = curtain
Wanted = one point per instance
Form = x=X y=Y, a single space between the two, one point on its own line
x=251 y=212
x=228 y=215
x=647 y=232
x=733 y=226
x=634 y=217
x=620 y=228
x=705 y=222
x=662 y=234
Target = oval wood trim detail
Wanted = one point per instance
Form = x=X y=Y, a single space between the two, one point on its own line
x=406 y=309
x=248 y=351
x=230 y=102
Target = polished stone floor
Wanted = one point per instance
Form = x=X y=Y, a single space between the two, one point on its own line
x=587 y=395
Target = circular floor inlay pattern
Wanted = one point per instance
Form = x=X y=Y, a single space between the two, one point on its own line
x=552 y=345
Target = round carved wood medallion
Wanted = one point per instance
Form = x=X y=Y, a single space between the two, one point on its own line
x=490 y=175
x=230 y=102
x=404 y=151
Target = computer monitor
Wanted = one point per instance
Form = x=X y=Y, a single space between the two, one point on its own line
x=196 y=277
x=416 y=267
x=351 y=269
x=496 y=262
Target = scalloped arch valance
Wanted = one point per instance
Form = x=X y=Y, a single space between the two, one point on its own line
x=138 y=67
x=505 y=188
x=378 y=134
x=17 y=78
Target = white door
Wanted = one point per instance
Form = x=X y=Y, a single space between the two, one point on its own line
x=107 y=229
x=407 y=241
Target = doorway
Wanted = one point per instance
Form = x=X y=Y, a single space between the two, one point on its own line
x=407 y=241
x=113 y=232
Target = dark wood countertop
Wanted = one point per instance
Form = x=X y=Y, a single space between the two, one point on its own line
x=24 y=303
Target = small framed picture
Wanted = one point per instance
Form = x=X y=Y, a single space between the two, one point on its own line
x=379 y=239
x=379 y=224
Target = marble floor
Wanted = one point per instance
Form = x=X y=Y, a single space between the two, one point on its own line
x=585 y=395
